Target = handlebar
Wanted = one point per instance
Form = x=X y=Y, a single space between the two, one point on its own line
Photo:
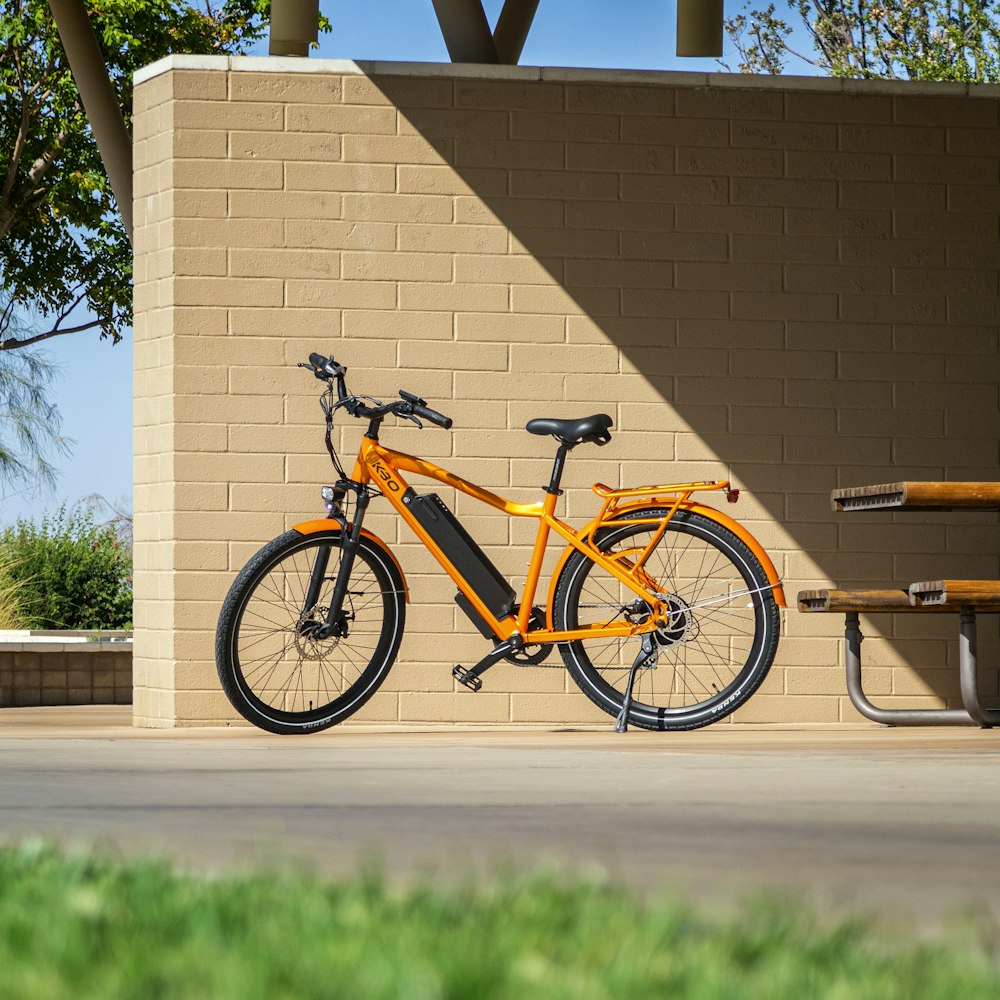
x=409 y=406
x=324 y=368
x=421 y=409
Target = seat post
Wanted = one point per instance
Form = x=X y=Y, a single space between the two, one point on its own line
x=557 y=469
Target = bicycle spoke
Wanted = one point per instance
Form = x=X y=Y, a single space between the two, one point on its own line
x=280 y=662
x=713 y=622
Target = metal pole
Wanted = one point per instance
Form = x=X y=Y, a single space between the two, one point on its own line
x=512 y=29
x=466 y=31
x=99 y=100
x=699 y=27
x=888 y=716
x=294 y=26
x=986 y=717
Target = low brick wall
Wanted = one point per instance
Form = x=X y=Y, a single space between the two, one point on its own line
x=74 y=668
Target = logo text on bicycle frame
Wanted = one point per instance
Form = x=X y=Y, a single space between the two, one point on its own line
x=385 y=476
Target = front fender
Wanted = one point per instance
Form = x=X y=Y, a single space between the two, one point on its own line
x=329 y=524
x=723 y=520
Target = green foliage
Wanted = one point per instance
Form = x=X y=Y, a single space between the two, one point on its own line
x=72 y=571
x=64 y=253
x=81 y=927
x=29 y=430
x=957 y=40
x=11 y=594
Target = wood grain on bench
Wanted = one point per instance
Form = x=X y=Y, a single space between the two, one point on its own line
x=918 y=496
x=858 y=600
x=981 y=595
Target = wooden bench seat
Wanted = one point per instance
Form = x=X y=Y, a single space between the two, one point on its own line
x=822 y=601
x=958 y=597
x=918 y=496
x=980 y=595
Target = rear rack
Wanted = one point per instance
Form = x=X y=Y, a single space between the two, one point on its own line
x=608 y=493
x=677 y=493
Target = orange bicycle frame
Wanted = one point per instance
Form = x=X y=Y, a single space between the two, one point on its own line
x=382 y=466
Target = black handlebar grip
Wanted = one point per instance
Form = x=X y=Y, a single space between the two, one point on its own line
x=326 y=367
x=432 y=416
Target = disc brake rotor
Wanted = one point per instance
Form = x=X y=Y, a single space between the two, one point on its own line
x=308 y=647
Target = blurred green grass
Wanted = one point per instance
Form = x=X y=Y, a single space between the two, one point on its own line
x=81 y=926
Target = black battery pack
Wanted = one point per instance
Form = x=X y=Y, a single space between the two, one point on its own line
x=463 y=553
x=475 y=617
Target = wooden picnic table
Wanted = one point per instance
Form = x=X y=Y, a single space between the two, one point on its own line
x=962 y=597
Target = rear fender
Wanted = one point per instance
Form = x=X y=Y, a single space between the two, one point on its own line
x=329 y=524
x=711 y=514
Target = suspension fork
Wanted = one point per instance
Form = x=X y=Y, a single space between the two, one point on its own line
x=350 y=539
x=316 y=580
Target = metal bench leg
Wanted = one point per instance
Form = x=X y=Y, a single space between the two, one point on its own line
x=985 y=717
x=899 y=716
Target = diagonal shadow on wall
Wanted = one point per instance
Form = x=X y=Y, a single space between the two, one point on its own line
x=796 y=285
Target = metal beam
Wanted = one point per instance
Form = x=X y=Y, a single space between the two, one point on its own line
x=99 y=99
x=294 y=26
x=512 y=29
x=466 y=31
x=699 y=27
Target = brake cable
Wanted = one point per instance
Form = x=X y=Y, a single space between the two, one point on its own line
x=328 y=409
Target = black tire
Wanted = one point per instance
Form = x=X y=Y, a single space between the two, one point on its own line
x=718 y=649
x=275 y=674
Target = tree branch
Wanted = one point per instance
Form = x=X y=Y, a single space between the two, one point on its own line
x=13 y=344
x=69 y=308
x=22 y=136
x=32 y=192
x=42 y=164
x=799 y=55
x=8 y=311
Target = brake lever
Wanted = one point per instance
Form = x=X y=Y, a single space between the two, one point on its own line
x=410 y=416
x=318 y=372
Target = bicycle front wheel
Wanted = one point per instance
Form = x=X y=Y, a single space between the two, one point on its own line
x=274 y=670
x=723 y=629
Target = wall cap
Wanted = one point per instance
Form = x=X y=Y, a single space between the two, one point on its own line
x=63 y=641
x=556 y=74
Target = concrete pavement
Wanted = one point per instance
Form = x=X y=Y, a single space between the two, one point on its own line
x=902 y=821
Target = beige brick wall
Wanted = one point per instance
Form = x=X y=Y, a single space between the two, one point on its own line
x=791 y=283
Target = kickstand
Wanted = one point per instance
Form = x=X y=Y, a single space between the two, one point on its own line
x=646 y=654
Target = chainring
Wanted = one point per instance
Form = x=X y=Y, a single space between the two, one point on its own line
x=531 y=656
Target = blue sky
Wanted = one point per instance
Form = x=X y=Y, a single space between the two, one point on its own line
x=634 y=34
x=94 y=389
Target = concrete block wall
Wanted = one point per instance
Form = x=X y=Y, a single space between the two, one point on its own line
x=54 y=670
x=790 y=283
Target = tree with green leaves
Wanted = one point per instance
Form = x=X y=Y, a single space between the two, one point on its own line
x=65 y=259
x=957 y=40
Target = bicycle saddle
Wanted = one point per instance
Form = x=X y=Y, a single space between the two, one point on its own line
x=572 y=432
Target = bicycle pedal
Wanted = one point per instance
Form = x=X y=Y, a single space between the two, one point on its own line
x=467 y=678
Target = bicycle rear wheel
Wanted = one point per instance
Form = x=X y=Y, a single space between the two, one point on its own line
x=275 y=672
x=722 y=636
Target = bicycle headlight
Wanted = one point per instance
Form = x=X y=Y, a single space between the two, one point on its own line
x=333 y=497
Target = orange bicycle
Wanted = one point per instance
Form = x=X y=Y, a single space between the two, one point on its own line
x=665 y=610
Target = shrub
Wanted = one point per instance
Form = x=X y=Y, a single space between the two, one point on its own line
x=11 y=594
x=72 y=572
